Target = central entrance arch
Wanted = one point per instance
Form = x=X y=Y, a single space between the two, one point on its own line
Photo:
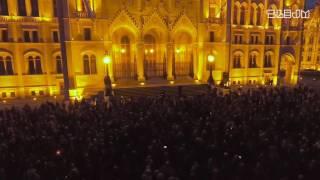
x=183 y=60
x=287 y=68
x=153 y=63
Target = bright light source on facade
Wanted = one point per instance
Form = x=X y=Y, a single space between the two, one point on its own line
x=142 y=83
x=146 y=51
x=177 y=51
x=114 y=85
x=107 y=59
x=4 y=101
x=151 y=51
x=55 y=97
x=171 y=82
x=211 y=58
x=123 y=51
x=34 y=99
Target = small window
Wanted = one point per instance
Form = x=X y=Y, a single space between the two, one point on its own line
x=309 y=58
x=22 y=9
x=59 y=64
x=288 y=41
x=2 y=66
x=89 y=65
x=33 y=93
x=55 y=8
x=4 y=94
x=35 y=8
x=87 y=34
x=35 y=36
x=34 y=65
x=9 y=66
x=86 y=66
x=55 y=36
x=26 y=35
x=4 y=7
x=13 y=94
x=211 y=36
x=4 y=35
x=41 y=92
x=6 y=66
x=38 y=65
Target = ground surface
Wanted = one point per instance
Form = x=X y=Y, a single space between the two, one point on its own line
x=188 y=89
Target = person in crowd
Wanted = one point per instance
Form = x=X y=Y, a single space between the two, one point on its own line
x=264 y=133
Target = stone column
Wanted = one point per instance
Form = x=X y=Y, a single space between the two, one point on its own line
x=195 y=60
x=139 y=55
x=205 y=9
x=139 y=5
x=170 y=54
x=28 y=7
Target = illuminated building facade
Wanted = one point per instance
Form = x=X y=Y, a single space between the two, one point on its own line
x=147 y=40
x=310 y=58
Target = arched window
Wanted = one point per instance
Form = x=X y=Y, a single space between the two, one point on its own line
x=6 y=65
x=4 y=7
x=22 y=9
x=38 y=65
x=9 y=65
x=89 y=64
x=86 y=65
x=34 y=65
x=59 y=65
x=125 y=40
x=243 y=15
x=93 y=64
x=252 y=14
x=35 y=8
x=212 y=9
x=267 y=60
x=271 y=21
x=235 y=14
x=253 y=61
x=237 y=61
x=258 y=19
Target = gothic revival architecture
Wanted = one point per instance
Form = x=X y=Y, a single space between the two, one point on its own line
x=150 y=41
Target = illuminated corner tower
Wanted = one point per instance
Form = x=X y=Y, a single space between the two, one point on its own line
x=311 y=41
x=291 y=38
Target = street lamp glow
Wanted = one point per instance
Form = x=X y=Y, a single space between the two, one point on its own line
x=151 y=51
x=211 y=58
x=177 y=51
x=107 y=59
x=123 y=51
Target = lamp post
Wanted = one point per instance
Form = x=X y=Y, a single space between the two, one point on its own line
x=211 y=60
x=107 y=80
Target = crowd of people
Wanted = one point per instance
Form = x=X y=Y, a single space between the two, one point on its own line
x=265 y=134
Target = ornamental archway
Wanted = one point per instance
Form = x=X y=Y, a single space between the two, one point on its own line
x=154 y=65
x=124 y=59
x=287 y=67
x=183 y=57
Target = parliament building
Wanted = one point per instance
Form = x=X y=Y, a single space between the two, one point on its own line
x=151 y=41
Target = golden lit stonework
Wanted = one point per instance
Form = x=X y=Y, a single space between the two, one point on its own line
x=151 y=40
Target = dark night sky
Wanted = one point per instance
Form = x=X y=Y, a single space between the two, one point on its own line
x=311 y=3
